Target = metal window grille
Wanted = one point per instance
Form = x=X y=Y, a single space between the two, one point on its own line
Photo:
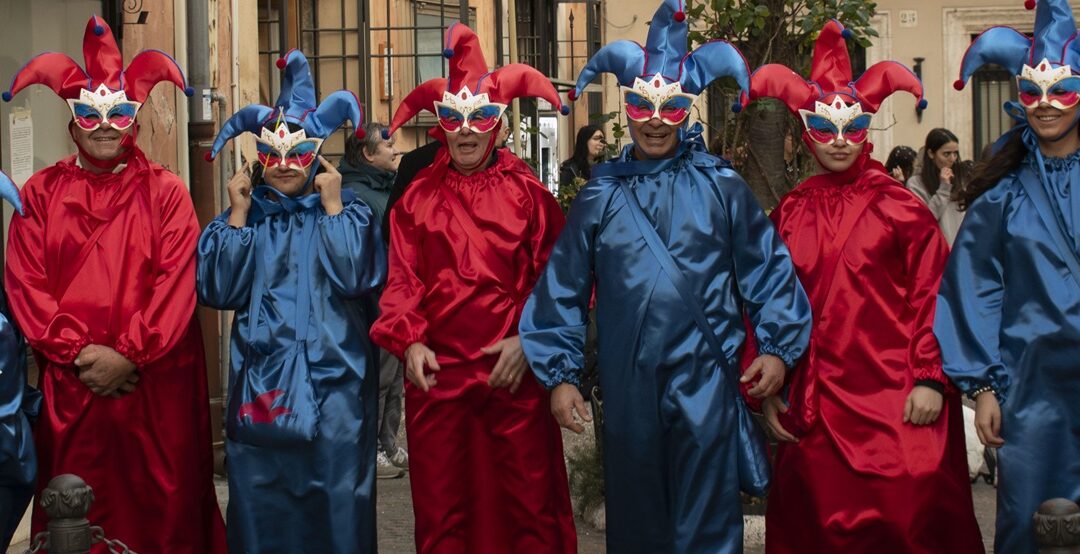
x=273 y=40
x=992 y=86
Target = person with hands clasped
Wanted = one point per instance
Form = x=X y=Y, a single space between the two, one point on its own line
x=873 y=457
x=297 y=258
x=100 y=276
x=469 y=237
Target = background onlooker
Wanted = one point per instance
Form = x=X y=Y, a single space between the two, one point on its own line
x=588 y=150
x=938 y=177
x=901 y=163
x=368 y=169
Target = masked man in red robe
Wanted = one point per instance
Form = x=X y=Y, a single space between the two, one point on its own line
x=101 y=279
x=469 y=238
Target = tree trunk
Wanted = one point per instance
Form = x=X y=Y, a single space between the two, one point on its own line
x=763 y=168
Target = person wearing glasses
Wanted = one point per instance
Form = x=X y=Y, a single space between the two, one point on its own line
x=677 y=250
x=469 y=237
x=101 y=280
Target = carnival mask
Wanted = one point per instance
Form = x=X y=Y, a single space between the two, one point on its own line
x=655 y=98
x=1057 y=87
x=829 y=122
x=291 y=149
x=478 y=113
x=101 y=107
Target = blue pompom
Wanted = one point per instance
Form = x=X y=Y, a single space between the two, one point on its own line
x=448 y=53
x=565 y=110
x=7 y=96
x=385 y=134
x=736 y=107
x=847 y=34
x=189 y=91
x=99 y=29
x=922 y=104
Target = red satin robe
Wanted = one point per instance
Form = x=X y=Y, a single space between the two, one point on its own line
x=110 y=259
x=860 y=480
x=486 y=466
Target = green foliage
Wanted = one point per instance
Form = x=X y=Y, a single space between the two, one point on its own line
x=585 y=468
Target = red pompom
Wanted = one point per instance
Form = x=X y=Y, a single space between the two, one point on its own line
x=208 y=157
x=1029 y=4
x=280 y=63
x=360 y=133
x=679 y=17
x=958 y=84
x=572 y=95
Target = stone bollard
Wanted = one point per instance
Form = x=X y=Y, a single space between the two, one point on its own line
x=67 y=500
x=1057 y=527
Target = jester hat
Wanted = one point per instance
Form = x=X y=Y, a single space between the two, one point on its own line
x=104 y=90
x=9 y=192
x=1045 y=65
x=471 y=95
x=663 y=71
x=831 y=103
x=311 y=123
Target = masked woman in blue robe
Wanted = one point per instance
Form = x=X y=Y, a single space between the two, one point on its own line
x=677 y=250
x=297 y=257
x=1008 y=314
x=19 y=405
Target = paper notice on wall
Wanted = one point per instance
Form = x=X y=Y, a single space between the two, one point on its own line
x=21 y=141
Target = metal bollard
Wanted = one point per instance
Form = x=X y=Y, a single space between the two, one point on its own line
x=1057 y=527
x=67 y=500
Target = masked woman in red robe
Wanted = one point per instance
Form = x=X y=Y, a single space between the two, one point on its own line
x=874 y=458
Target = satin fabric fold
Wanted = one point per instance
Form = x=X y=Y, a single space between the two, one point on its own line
x=109 y=259
x=670 y=433
x=487 y=468
x=859 y=479
x=1009 y=317
x=319 y=496
x=19 y=406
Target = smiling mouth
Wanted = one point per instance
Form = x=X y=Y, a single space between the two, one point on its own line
x=655 y=136
x=1048 y=118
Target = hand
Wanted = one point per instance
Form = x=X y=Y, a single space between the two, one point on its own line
x=105 y=372
x=565 y=401
x=328 y=185
x=923 y=406
x=239 y=188
x=946 y=175
x=772 y=370
x=898 y=174
x=511 y=366
x=772 y=406
x=988 y=419
x=417 y=356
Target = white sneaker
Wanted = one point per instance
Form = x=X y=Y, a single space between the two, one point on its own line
x=384 y=469
x=400 y=458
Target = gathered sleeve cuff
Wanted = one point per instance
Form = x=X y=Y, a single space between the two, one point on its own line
x=967 y=322
x=351 y=250
x=155 y=329
x=402 y=320
x=775 y=301
x=225 y=267
x=555 y=321
x=50 y=328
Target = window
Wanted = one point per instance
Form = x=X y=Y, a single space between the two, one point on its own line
x=991 y=87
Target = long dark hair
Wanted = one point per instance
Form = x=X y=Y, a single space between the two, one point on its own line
x=989 y=172
x=581 y=145
x=930 y=174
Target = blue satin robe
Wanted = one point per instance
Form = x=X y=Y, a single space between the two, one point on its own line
x=1008 y=316
x=670 y=434
x=320 y=498
x=18 y=405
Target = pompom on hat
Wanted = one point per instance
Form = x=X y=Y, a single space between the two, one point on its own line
x=297 y=106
